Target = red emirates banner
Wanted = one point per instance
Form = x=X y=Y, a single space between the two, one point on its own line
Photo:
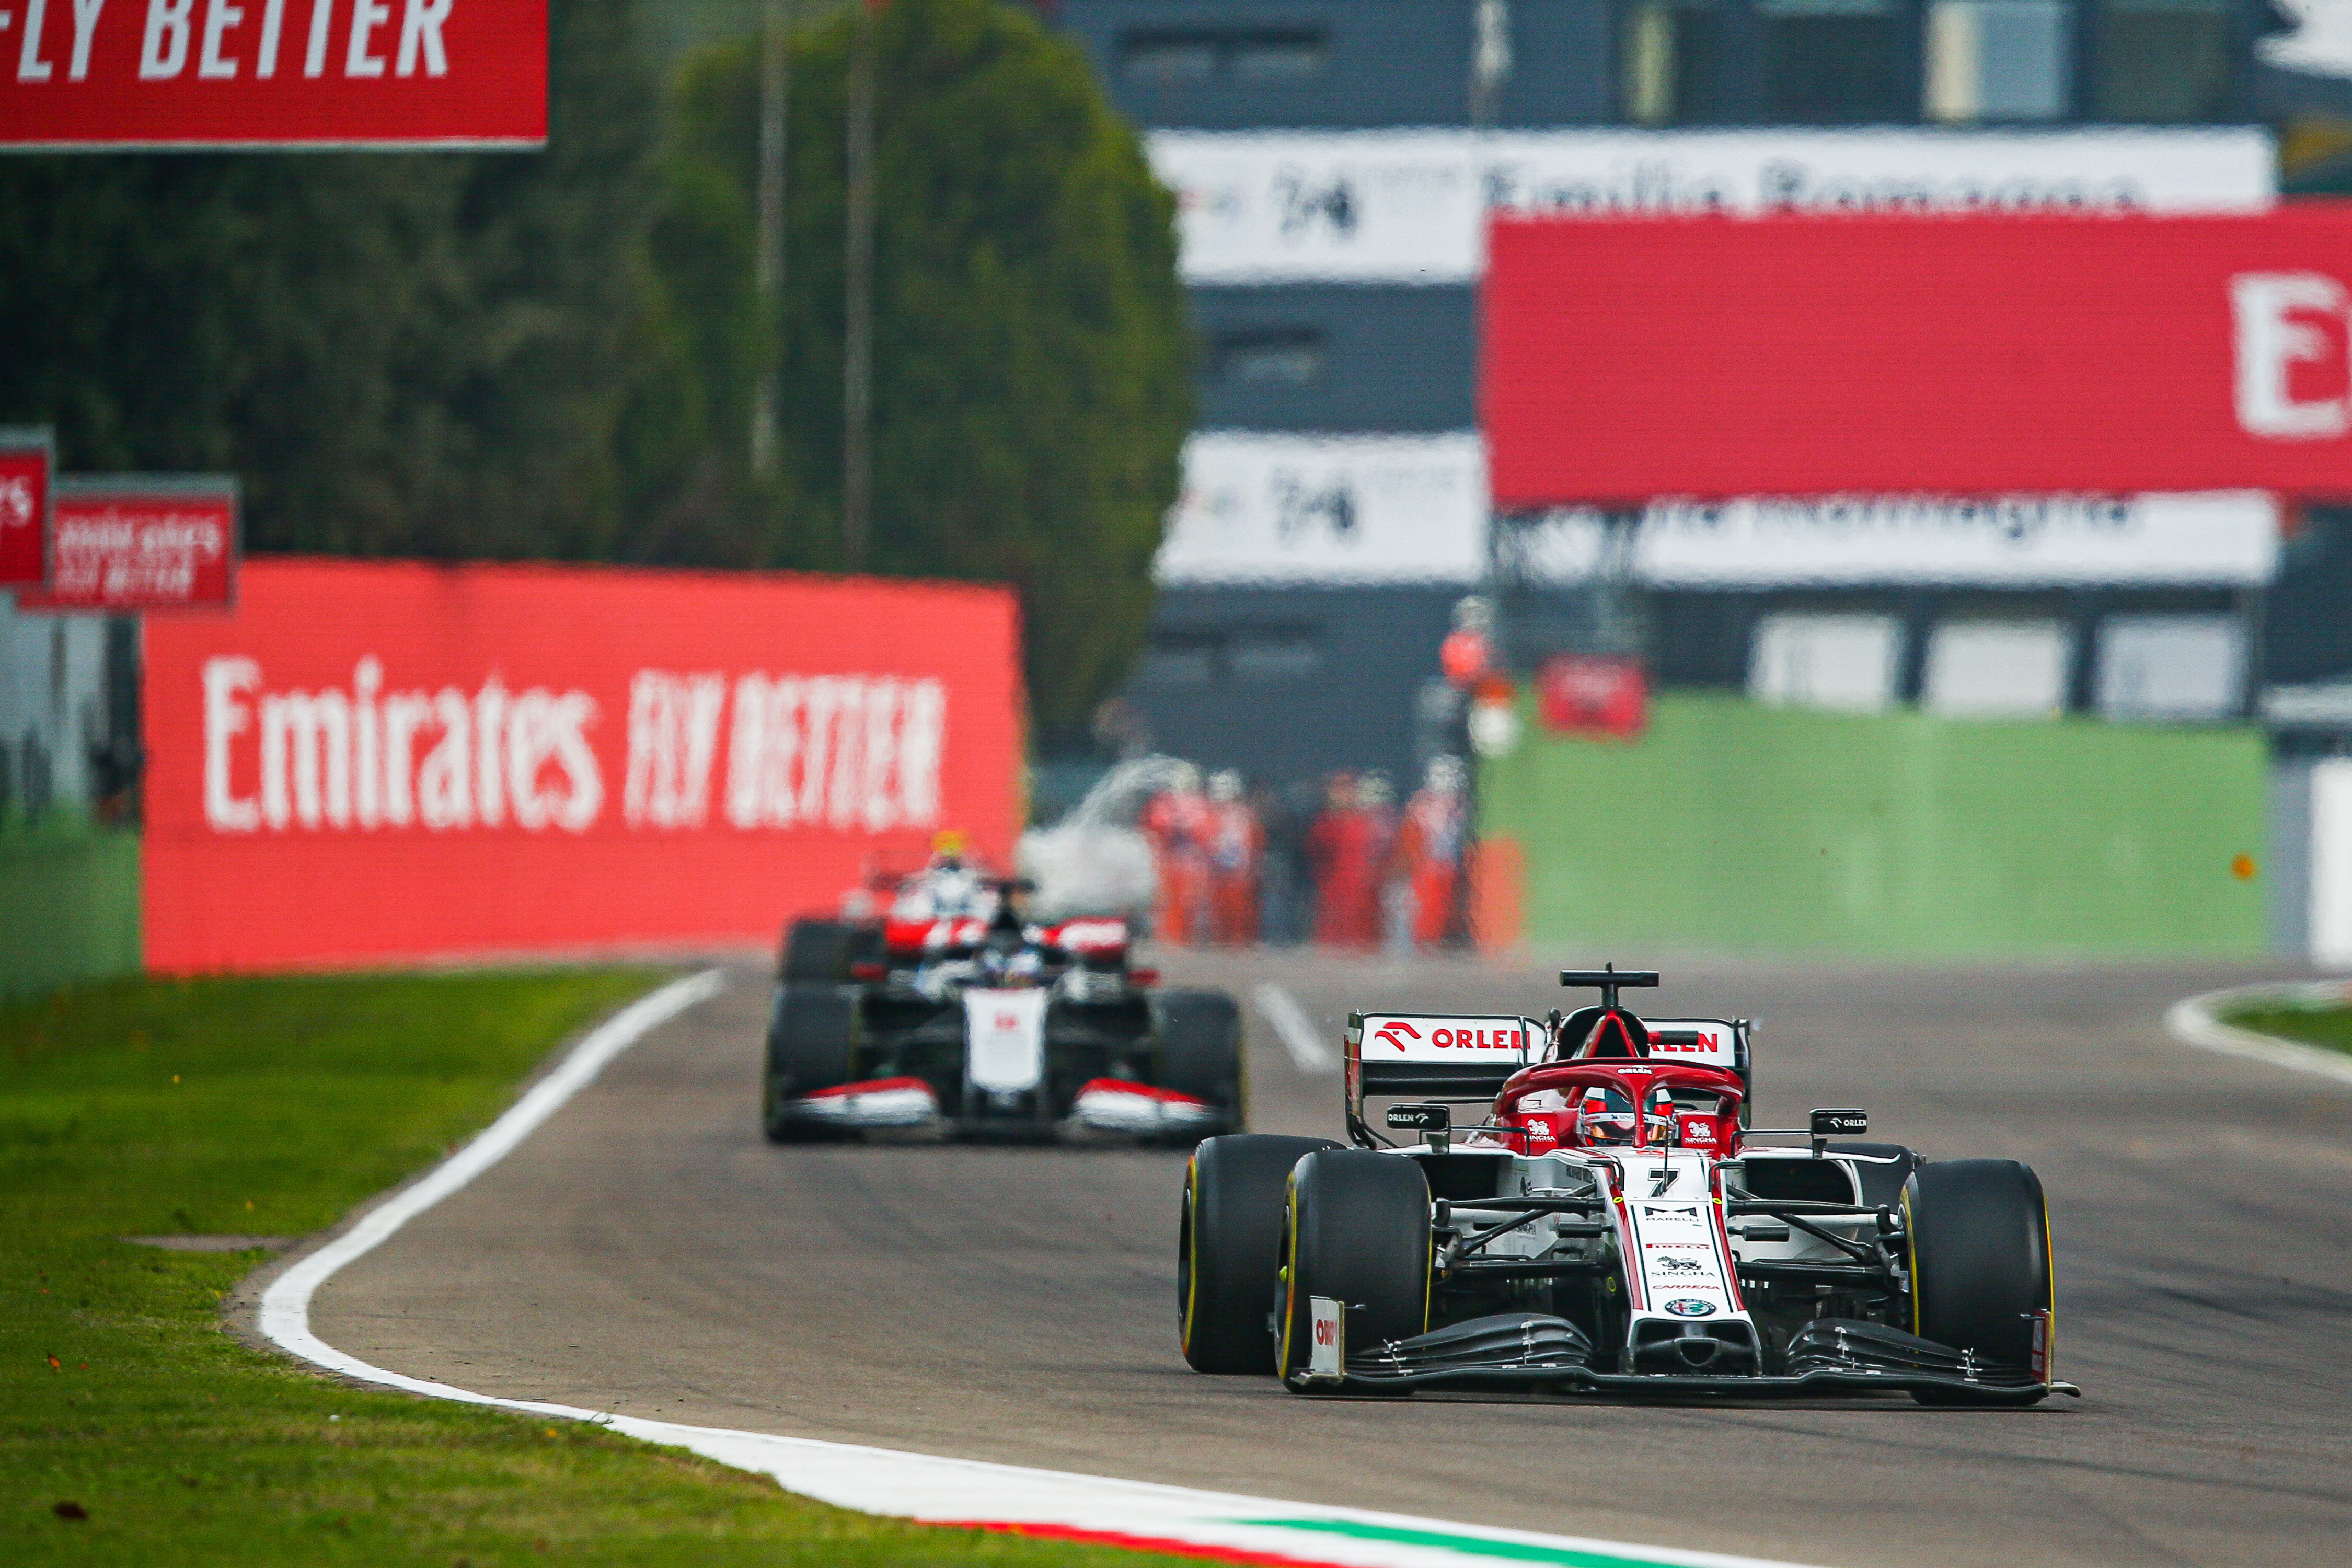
x=273 y=73
x=141 y=542
x=26 y=458
x=1627 y=359
x=392 y=760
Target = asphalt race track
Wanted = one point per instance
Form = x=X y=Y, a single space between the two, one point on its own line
x=646 y=1252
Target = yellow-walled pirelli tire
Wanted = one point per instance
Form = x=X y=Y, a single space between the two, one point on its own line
x=1356 y=1228
x=1226 y=1249
x=1980 y=1276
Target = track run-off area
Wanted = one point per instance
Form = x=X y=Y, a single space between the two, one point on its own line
x=646 y=1253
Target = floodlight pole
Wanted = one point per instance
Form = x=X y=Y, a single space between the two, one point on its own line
x=857 y=312
x=768 y=259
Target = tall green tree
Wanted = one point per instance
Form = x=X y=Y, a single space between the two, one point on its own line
x=413 y=354
x=1031 y=357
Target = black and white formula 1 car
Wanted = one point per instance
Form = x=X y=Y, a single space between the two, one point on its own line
x=968 y=1021
x=1614 y=1224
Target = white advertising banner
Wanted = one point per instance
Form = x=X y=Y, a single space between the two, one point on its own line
x=1270 y=508
x=1266 y=508
x=1410 y=206
x=2222 y=538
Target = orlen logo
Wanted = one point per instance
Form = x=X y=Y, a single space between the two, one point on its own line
x=2294 y=379
x=1700 y=1044
x=1396 y=1030
x=1480 y=1039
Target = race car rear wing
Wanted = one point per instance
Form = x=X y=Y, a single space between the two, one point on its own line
x=1443 y=1056
x=1707 y=1042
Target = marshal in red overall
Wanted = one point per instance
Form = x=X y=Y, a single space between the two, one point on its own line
x=1612 y=1223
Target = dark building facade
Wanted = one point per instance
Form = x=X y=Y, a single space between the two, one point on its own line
x=1289 y=678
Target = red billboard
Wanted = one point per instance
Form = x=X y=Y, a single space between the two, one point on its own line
x=26 y=461
x=275 y=73
x=392 y=759
x=1980 y=355
x=141 y=542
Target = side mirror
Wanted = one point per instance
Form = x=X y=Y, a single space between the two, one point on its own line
x=1433 y=1122
x=1837 y=1123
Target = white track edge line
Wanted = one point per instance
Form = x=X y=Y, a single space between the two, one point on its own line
x=2194 y=1021
x=1296 y=1029
x=924 y=1487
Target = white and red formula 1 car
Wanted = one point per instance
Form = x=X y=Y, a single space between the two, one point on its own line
x=954 y=1016
x=1612 y=1225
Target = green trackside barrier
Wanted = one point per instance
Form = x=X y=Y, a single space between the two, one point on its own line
x=1739 y=828
x=68 y=905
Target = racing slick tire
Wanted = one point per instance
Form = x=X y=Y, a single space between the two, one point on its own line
x=810 y=1031
x=1979 y=1256
x=1356 y=1228
x=1226 y=1249
x=1200 y=1049
x=1882 y=1185
x=815 y=952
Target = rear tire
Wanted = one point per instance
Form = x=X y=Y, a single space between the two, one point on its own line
x=1227 y=1248
x=815 y=952
x=1979 y=1245
x=1200 y=1050
x=1356 y=1228
x=812 y=1030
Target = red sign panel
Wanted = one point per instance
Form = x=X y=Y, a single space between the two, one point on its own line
x=25 y=473
x=1978 y=355
x=388 y=760
x=274 y=73
x=140 y=543
x=1591 y=694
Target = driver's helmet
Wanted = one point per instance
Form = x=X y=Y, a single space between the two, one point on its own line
x=1662 y=1114
x=954 y=890
x=1604 y=1117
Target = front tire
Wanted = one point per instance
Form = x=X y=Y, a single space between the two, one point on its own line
x=816 y=953
x=1356 y=1228
x=1200 y=1050
x=812 y=1031
x=1228 y=1248
x=1980 y=1270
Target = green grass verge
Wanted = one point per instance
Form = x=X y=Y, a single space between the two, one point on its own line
x=271 y=1107
x=2328 y=1026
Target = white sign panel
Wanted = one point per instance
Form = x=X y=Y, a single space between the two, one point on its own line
x=1410 y=206
x=2226 y=537
x=1377 y=206
x=1264 y=507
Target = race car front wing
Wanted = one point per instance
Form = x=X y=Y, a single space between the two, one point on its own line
x=1831 y=1355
